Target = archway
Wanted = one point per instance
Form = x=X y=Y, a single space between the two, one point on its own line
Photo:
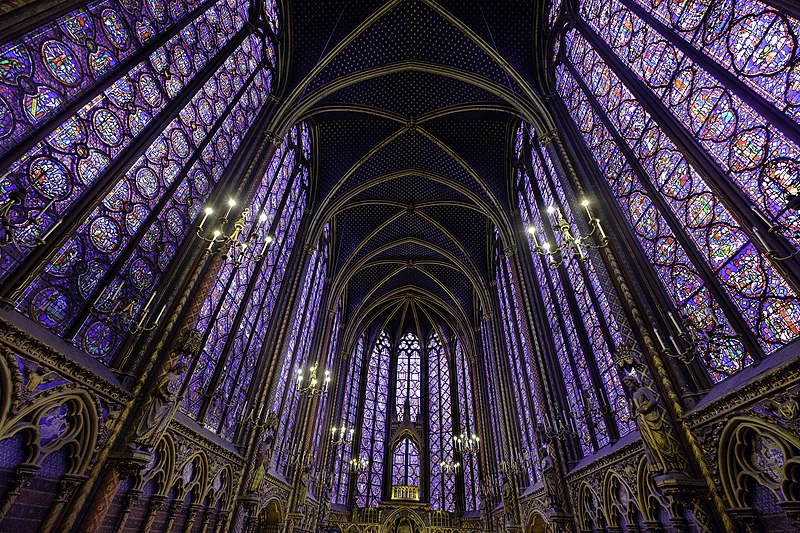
x=270 y=518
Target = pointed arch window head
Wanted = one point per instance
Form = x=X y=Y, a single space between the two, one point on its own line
x=408 y=377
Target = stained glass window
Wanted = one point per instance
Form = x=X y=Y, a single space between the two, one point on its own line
x=526 y=410
x=586 y=334
x=348 y=419
x=405 y=464
x=715 y=80
x=75 y=155
x=295 y=355
x=408 y=376
x=373 y=426
x=492 y=383
x=145 y=209
x=234 y=334
x=442 y=484
x=466 y=416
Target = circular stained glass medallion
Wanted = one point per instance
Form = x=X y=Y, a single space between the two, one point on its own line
x=50 y=178
x=104 y=234
x=62 y=63
x=141 y=274
x=174 y=222
x=98 y=340
x=50 y=307
x=115 y=29
x=108 y=127
x=147 y=182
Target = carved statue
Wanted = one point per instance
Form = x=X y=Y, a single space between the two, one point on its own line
x=550 y=479
x=264 y=455
x=661 y=448
x=157 y=410
x=509 y=500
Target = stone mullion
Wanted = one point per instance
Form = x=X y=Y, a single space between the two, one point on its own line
x=698 y=157
x=655 y=358
x=36 y=261
x=704 y=270
x=240 y=311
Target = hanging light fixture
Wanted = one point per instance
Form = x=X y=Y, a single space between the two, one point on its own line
x=570 y=245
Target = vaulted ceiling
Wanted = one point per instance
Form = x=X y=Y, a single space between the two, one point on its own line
x=414 y=103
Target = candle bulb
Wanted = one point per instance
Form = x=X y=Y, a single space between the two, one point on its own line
x=146 y=307
x=208 y=211
x=116 y=292
x=585 y=205
x=160 y=313
x=675 y=344
x=231 y=205
x=43 y=211
x=760 y=215
x=660 y=340
x=674 y=322
x=760 y=239
x=600 y=228
x=532 y=233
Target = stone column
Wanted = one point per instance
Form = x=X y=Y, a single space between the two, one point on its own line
x=157 y=502
x=22 y=476
x=66 y=486
x=130 y=501
x=120 y=466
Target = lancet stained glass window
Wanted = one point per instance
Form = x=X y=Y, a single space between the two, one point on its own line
x=592 y=331
x=405 y=464
x=408 y=376
x=525 y=409
x=297 y=350
x=440 y=398
x=348 y=420
x=373 y=426
x=647 y=89
x=234 y=334
x=466 y=416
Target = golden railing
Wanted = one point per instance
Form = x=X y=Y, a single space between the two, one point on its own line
x=405 y=492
